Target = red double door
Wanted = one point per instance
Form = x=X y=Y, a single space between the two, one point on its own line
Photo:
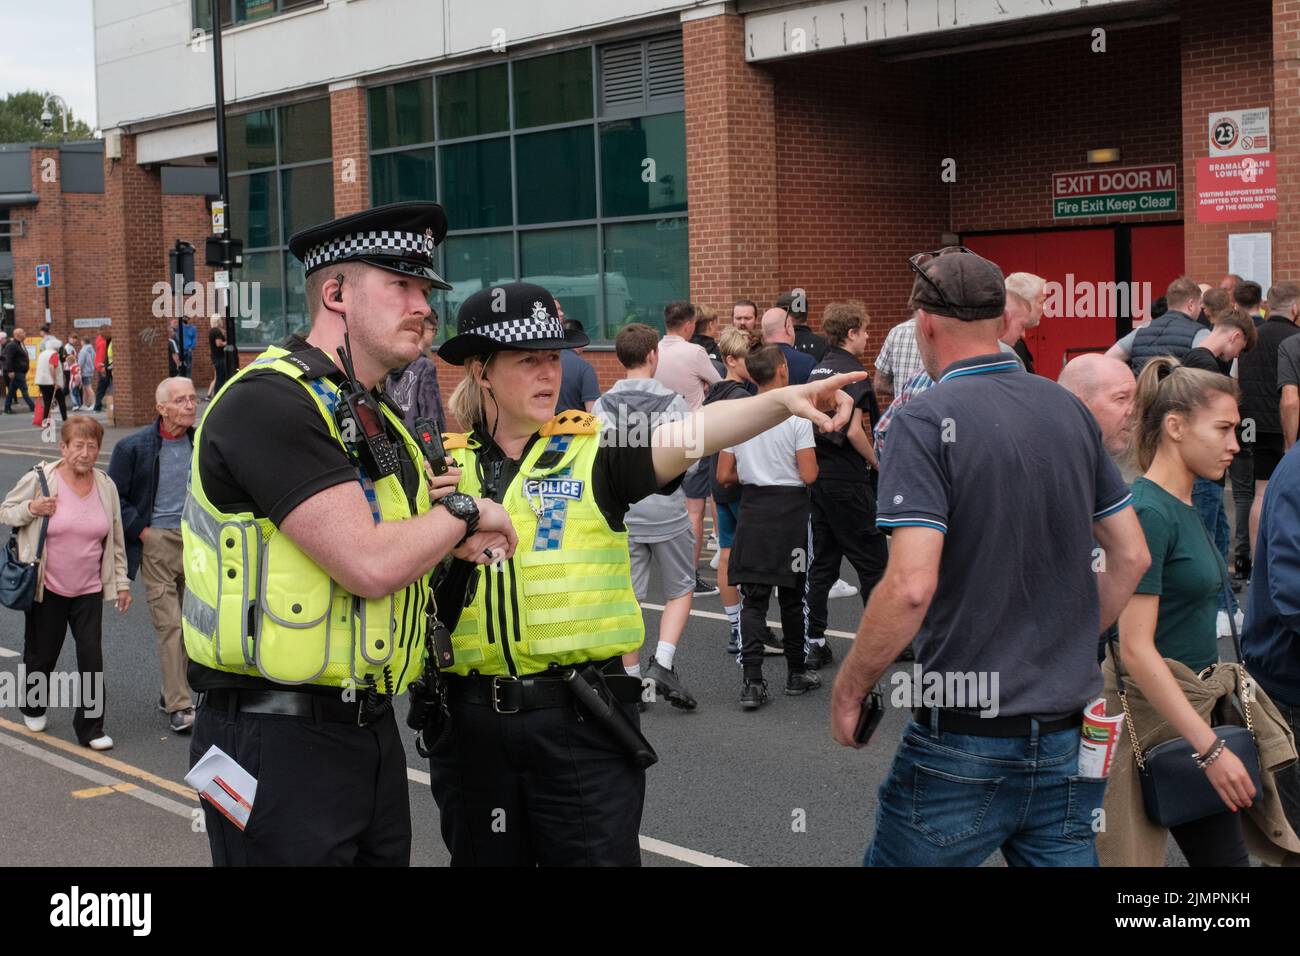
x=1104 y=254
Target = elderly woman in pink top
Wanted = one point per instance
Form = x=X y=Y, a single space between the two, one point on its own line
x=83 y=562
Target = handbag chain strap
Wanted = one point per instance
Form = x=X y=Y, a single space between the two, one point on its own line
x=1244 y=681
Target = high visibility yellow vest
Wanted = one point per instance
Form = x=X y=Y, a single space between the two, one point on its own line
x=256 y=604
x=566 y=596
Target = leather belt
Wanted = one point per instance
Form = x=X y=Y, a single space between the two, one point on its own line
x=512 y=695
x=287 y=703
x=958 y=722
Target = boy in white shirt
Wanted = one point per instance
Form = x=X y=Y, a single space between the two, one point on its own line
x=770 y=548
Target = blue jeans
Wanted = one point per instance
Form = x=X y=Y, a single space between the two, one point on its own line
x=1207 y=498
x=952 y=799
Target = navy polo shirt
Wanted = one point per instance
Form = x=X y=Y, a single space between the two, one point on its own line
x=1012 y=469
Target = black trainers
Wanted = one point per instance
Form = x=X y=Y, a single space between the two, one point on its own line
x=733 y=644
x=800 y=682
x=771 y=643
x=669 y=685
x=754 y=694
x=819 y=655
x=182 y=721
x=704 y=590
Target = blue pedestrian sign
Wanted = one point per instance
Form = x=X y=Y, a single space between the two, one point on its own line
x=43 y=276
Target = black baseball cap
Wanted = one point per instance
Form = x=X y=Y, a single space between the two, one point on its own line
x=508 y=317
x=400 y=237
x=787 y=301
x=959 y=284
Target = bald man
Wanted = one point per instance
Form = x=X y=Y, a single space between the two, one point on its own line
x=778 y=329
x=1108 y=388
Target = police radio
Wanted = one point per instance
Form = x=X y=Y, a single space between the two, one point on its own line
x=361 y=423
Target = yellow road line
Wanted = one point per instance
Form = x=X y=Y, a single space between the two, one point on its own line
x=104 y=791
x=86 y=753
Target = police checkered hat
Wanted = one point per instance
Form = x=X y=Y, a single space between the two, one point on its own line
x=511 y=316
x=400 y=237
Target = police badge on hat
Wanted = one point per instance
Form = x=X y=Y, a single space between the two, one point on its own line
x=511 y=316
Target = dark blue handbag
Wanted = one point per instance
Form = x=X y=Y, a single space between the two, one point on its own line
x=17 y=579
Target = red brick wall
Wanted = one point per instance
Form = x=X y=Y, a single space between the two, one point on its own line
x=1285 y=120
x=1227 y=62
x=351 y=159
x=43 y=241
x=1020 y=114
x=858 y=181
x=731 y=167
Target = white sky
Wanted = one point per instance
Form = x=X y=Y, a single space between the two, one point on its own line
x=49 y=45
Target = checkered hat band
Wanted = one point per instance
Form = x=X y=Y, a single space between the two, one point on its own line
x=523 y=330
x=383 y=243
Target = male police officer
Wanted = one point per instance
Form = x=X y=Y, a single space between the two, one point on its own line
x=541 y=760
x=309 y=535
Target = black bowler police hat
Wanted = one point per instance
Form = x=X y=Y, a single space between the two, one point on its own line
x=508 y=317
x=399 y=237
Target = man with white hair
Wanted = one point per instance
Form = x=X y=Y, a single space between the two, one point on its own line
x=1033 y=289
x=151 y=469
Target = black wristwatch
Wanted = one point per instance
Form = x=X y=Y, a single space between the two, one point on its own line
x=463 y=507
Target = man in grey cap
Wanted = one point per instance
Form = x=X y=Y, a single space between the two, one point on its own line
x=994 y=490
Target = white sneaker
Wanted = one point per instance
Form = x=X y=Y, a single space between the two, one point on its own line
x=713 y=542
x=35 y=724
x=1240 y=617
x=713 y=561
x=842 y=589
x=102 y=743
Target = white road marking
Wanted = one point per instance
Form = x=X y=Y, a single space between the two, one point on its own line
x=714 y=615
x=95 y=776
x=5 y=652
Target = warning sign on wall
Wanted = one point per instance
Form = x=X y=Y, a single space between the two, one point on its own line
x=1236 y=188
x=1238 y=132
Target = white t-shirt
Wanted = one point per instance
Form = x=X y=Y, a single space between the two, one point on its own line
x=769 y=457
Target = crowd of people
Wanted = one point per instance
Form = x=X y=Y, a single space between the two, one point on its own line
x=1069 y=537
x=78 y=369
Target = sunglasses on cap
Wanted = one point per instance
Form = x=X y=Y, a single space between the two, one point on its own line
x=919 y=261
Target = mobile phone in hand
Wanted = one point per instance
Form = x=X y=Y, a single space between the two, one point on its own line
x=870 y=716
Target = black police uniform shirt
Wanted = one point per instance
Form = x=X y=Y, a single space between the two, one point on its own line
x=809 y=342
x=837 y=459
x=269 y=418
x=265 y=449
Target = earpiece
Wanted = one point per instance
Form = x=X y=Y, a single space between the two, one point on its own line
x=338 y=293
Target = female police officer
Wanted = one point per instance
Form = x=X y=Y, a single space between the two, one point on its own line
x=527 y=769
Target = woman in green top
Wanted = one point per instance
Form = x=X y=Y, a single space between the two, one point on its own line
x=1184 y=429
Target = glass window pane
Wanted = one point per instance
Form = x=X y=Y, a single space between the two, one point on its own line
x=250 y=140
x=255 y=217
x=260 y=307
x=476 y=184
x=401 y=114
x=563 y=261
x=473 y=102
x=474 y=263
x=305 y=132
x=308 y=193
x=296 y=317
x=646 y=267
x=246 y=10
x=634 y=150
x=557 y=175
x=553 y=89
x=402 y=177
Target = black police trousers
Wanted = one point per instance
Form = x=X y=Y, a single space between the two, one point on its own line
x=536 y=788
x=328 y=794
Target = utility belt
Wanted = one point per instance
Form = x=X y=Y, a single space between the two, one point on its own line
x=595 y=690
x=368 y=708
x=947 y=720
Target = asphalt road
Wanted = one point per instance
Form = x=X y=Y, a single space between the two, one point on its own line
x=732 y=787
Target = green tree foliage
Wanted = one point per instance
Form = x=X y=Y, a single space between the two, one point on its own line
x=20 y=120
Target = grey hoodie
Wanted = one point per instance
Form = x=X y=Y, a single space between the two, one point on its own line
x=631 y=410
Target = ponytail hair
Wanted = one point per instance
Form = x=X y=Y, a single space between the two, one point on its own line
x=1165 y=387
x=468 y=403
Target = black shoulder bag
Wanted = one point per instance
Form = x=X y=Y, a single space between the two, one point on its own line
x=18 y=580
x=1175 y=790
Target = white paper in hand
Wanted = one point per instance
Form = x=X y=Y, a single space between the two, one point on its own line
x=224 y=784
